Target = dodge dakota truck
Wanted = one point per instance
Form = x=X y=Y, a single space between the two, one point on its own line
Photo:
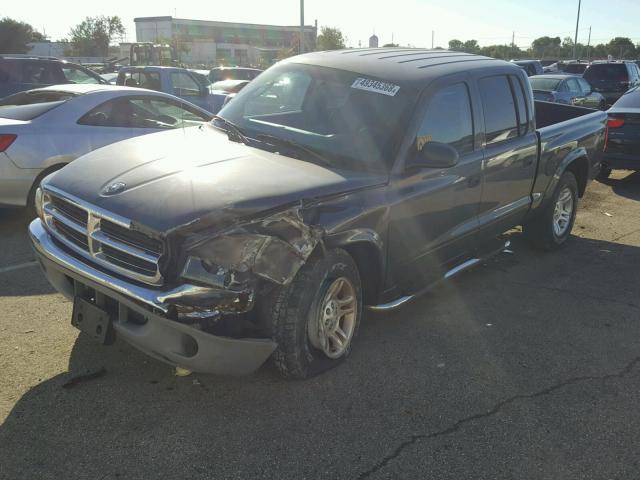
x=335 y=182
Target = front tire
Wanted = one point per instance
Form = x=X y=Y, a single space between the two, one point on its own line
x=316 y=317
x=551 y=229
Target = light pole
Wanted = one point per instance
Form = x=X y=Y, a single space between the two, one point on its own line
x=575 y=42
x=301 y=26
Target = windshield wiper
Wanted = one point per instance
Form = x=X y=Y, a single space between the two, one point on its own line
x=291 y=145
x=235 y=133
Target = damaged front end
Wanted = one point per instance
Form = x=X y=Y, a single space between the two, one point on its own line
x=231 y=264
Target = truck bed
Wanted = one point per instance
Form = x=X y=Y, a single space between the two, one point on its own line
x=566 y=132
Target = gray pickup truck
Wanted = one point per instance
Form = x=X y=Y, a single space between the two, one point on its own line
x=334 y=182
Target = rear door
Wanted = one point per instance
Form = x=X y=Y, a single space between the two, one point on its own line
x=510 y=153
x=433 y=218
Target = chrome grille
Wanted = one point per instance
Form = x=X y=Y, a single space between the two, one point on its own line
x=103 y=238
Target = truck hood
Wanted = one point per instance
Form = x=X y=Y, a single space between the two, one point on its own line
x=196 y=176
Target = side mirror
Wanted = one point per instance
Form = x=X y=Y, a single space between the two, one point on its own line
x=434 y=155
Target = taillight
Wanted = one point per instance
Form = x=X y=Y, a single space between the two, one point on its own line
x=615 y=122
x=6 y=140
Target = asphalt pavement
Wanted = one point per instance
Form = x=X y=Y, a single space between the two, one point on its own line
x=527 y=367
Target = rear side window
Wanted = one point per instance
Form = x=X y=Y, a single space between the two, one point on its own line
x=448 y=120
x=523 y=111
x=499 y=109
x=29 y=105
x=608 y=72
x=9 y=72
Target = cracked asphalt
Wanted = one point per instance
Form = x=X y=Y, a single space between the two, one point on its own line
x=527 y=367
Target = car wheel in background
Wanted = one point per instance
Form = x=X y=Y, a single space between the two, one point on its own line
x=551 y=229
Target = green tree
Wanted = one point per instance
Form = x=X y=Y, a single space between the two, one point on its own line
x=390 y=45
x=330 y=39
x=471 y=46
x=621 y=48
x=546 y=47
x=92 y=37
x=15 y=35
x=456 y=45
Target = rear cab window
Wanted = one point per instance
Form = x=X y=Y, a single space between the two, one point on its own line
x=498 y=104
x=29 y=105
x=608 y=72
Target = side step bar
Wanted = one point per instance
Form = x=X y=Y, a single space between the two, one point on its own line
x=451 y=273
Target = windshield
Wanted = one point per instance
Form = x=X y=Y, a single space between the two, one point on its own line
x=351 y=120
x=545 y=84
x=29 y=105
x=607 y=72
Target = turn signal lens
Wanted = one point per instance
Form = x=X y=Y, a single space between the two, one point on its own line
x=615 y=122
x=6 y=140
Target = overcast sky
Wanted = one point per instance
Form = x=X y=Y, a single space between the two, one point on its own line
x=410 y=21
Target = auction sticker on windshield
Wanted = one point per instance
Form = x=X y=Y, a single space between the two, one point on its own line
x=376 y=86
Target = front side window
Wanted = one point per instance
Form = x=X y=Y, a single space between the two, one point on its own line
x=448 y=119
x=143 y=112
x=140 y=79
x=499 y=109
x=584 y=85
x=349 y=119
x=184 y=85
x=572 y=83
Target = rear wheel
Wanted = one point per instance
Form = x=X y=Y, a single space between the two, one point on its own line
x=552 y=228
x=315 y=318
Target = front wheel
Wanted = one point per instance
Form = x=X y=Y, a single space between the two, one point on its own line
x=551 y=229
x=316 y=317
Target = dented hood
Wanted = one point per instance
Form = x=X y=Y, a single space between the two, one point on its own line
x=195 y=176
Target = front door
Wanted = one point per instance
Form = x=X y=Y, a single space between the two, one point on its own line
x=433 y=216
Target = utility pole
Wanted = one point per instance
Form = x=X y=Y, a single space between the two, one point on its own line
x=301 y=26
x=433 y=38
x=589 y=46
x=513 y=44
x=575 y=42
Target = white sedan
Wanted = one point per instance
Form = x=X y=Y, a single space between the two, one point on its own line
x=42 y=130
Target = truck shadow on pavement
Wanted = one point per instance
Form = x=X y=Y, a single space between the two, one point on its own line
x=517 y=324
x=626 y=186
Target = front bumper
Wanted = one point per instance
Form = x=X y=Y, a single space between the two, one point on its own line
x=167 y=340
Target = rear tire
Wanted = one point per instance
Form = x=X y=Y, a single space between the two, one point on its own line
x=307 y=320
x=552 y=227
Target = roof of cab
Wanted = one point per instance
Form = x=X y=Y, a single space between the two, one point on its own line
x=401 y=65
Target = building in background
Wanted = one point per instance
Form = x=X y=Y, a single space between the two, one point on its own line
x=222 y=43
x=373 y=41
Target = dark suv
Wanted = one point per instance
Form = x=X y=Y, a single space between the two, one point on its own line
x=612 y=79
x=19 y=73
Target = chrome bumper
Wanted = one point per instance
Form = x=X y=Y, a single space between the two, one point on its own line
x=167 y=340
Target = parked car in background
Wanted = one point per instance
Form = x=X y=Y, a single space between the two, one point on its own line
x=567 y=89
x=577 y=68
x=612 y=79
x=111 y=78
x=233 y=73
x=180 y=82
x=42 y=130
x=202 y=76
x=546 y=63
x=532 y=67
x=24 y=72
x=334 y=181
x=622 y=150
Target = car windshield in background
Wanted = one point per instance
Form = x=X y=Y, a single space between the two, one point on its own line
x=631 y=99
x=544 y=84
x=350 y=120
x=608 y=72
x=29 y=105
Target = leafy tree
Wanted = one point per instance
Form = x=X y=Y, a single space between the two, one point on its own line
x=621 y=48
x=471 y=46
x=546 y=47
x=91 y=37
x=15 y=35
x=456 y=45
x=330 y=39
x=390 y=45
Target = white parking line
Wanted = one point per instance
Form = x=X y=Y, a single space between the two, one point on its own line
x=19 y=266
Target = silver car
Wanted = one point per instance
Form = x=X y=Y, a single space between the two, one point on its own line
x=42 y=130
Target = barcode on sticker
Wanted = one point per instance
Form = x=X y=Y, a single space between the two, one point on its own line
x=376 y=86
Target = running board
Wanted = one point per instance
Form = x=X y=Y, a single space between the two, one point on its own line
x=451 y=273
